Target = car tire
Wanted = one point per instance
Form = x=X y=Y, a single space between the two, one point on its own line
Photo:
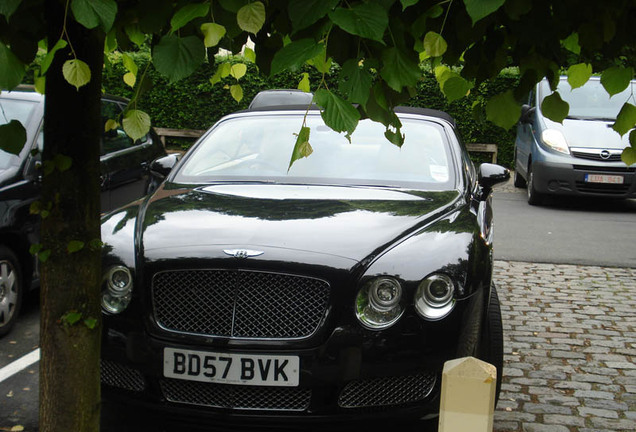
x=11 y=290
x=492 y=339
x=534 y=197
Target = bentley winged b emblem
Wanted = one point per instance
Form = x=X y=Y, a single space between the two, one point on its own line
x=243 y=253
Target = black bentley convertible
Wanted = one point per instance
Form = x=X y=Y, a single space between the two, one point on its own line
x=246 y=290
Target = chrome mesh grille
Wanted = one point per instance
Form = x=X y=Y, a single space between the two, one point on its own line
x=236 y=397
x=120 y=376
x=386 y=391
x=239 y=304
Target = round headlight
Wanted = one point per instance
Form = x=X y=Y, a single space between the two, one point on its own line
x=378 y=304
x=118 y=289
x=434 y=298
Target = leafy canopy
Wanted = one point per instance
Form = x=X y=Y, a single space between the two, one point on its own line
x=383 y=47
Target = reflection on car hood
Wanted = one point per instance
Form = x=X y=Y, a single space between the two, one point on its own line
x=350 y=222
x=590 y=133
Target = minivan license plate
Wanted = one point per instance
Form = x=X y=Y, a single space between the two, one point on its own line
x=602 y=178
x=238 y=369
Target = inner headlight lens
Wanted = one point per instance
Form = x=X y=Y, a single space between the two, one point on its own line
x=378 y=304
x=117 y=291
x=434 y=298
x=555 y=140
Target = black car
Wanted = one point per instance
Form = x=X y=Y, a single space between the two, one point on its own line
x=124 y=177
x=245 y=290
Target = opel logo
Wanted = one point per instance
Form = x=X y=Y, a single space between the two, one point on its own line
x=605 y=154
x=242 y=253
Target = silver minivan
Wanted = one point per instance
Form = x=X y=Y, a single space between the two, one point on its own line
x=580 y=157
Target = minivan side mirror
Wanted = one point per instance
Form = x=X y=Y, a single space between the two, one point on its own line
x=490 y=175
x=527 y=112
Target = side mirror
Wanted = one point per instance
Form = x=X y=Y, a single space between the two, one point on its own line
x=491 y=175
x=527 y=112
x=161 y=167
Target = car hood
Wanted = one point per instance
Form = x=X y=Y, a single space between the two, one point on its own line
x=590 y=133
x=348 y=222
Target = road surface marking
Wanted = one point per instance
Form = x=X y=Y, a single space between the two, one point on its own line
x=20 y=364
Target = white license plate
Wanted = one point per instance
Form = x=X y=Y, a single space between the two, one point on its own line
x=602 y=178
x=239 y=369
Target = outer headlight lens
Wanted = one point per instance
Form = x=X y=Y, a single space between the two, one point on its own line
x=117 y=290
x=555 y=140
x=379 y=303
x=434 y=298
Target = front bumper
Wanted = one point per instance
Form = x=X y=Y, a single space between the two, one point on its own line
x=571 y=177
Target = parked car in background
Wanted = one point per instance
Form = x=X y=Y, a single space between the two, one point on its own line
x=582 y=156
x=245 y=290
x=124 y=177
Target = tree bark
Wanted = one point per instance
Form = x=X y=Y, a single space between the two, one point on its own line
x=70 y=281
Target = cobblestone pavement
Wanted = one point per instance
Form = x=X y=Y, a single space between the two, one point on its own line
x=570 y=348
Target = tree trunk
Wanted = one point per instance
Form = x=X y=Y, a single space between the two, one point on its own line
x=70 y=281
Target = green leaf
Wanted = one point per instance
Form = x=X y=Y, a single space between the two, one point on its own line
x=222 y=71
x=302 y=148
x=571 y=43
x=12 y=137
x=188 y=13
x=76 y=72
x=304 y=83
x=626 y=119
x=238 y=70
x=629 y=156
x=407 y=3
x=176 y=57
x=579 y=74
x=517 y=8
x=478 y=9
x=249 y=54
x=129 y=63
x=110 y=125
x=91 y=323
x=237 y=92
x=616 y=79
x=11 y=69
x=135 y=34
x=394 y=137
x=136 y=124
x=62 y=162
x=455 y=87
x=503 y=110
x=251 y=17
x=93 y=13
x=35 y=248
x=8 y=7
x=44 y=255
x=293 y=55
x=74 y=246
x=355 y=82
x=130 y=79
x=321 y=63
x=39 y=82
x=48 y=59
x=338 y=114
x=434 y=44
x=555 y=108
x=212 y=34
x=304 y=13
x=400 y=70
x=72 y=317
x=368 y=20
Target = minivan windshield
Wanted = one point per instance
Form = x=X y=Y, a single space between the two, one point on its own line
x=591 y=101
x=13 y=109
x=259 y=148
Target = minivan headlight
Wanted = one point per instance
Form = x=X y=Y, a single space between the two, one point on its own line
x=435 y=297
x=555 y=140
x=117 y=289
x=379 y=303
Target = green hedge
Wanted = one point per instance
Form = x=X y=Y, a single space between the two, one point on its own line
x=194 y=103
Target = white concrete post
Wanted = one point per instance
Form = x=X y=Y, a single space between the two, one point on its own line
x=468 y=396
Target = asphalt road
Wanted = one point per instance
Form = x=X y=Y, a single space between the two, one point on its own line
x=564 y=231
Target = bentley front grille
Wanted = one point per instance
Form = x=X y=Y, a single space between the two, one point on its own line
x=236 y=397
x=120 y=376
x=239 y=304
x=387 y=391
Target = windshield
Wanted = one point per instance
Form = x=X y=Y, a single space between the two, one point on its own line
x=12 y=109
x=591 y=101
x=259 y=148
